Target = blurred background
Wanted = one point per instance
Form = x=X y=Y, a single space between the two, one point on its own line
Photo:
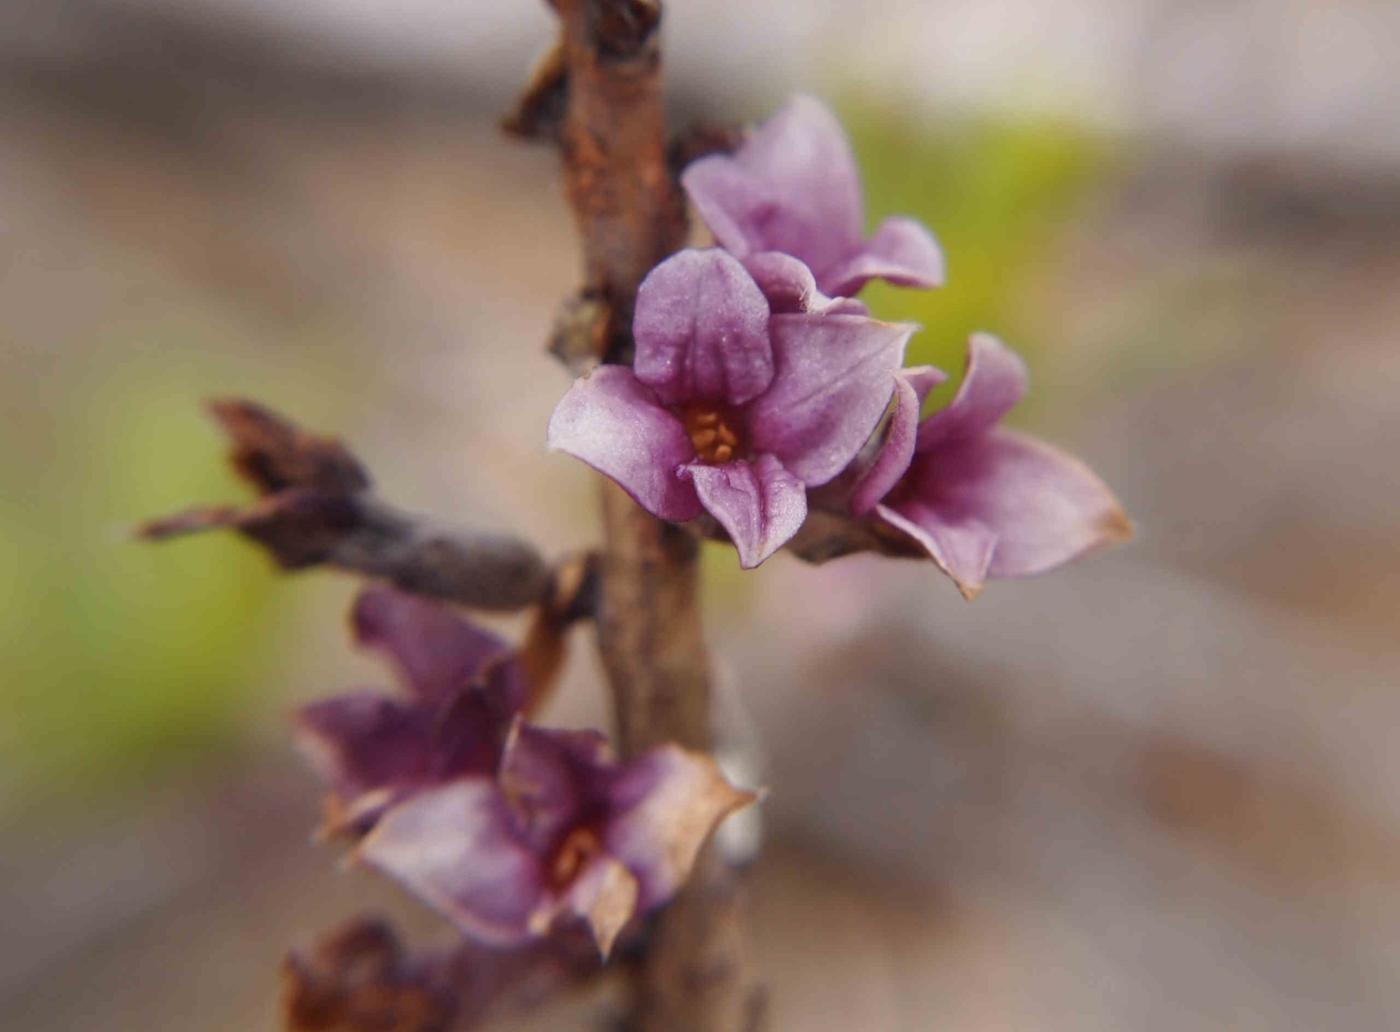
x=1158 y=790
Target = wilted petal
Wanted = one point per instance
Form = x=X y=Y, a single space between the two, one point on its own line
x=434 y=650
x=835 y=376
x=613 y=422
x=604 y=894
x=995 y=381
x=363 y=742
x=902 y=251
x=1040 y=506
x=897 y=450
x=792 y=187
x=665 y=805
x=757 y=501
x=455 y=848
x=701 y=330
x=789 y=286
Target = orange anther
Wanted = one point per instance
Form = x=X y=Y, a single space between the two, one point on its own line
x=715 y=433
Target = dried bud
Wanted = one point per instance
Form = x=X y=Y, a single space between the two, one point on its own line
x=539 y=111
x=272 y=454
x=317 y=510
x=358 y=980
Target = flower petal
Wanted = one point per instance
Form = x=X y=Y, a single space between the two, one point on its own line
x=454 y=847
x=665 y=805
x=790 y=286
x=897 y=450
x=995 y=381
x=731 y=201
x=364 y=741
x=1041 y=507
x=792 y=187
x=470 y=733
x=1046 y=506
x=923 y=379
x=551 y=778
x=701 y=328
x=757 y=501
x=962 y=550
x=612 y=421
x=434 y=651
x=604 y=895
x=834 y=379
x=902 y=251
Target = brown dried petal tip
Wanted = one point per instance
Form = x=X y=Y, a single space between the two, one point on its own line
x=273 y=454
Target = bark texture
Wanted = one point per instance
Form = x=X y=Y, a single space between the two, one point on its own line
x=694 y=975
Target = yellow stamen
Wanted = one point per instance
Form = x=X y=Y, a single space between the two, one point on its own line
x=715 y=433
x=578 y=847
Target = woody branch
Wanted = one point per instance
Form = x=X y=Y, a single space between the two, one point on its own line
x=603 y=84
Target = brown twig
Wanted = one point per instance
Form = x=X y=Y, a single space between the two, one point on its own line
x=629 y=214
x=360 y=978
x=540 y=109
x=583 y=327
x=317 y=509
x=695 y=974
x=572 y=597
x=700 y=140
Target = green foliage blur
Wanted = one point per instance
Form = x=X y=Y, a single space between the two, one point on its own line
x=998 y=194
x=121 y=659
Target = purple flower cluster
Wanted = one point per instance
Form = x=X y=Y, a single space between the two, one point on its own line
x=507 y=828
x=758 y=377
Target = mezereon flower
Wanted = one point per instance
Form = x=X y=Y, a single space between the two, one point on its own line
x=729 y=409
x=984 y=501
x=504 y=827
x=462 y=688
x=564 y=831
x=793 y=188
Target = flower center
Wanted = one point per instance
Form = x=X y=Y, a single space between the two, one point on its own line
x=578 y=847
x=713 y=433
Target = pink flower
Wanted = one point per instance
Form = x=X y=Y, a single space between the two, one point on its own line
x=504 y=827
x=981 y=500
x=461 y=690
x=563 y=832
x=793 y=189
x=729 y=409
